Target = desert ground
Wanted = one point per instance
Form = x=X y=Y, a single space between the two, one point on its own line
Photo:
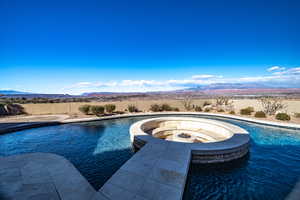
x=71 y=109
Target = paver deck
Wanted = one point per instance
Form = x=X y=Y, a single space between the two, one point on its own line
x=155 y=172
x=41 y=176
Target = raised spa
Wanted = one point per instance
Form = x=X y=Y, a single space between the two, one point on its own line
x=210 y=141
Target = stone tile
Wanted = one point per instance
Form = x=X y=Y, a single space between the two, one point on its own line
x=34 y=172
x=127 y=180
x=138 y=197
x=42 y=176
x=170 y=173
x=114 y=192
x=69 y=182
x=37 y=191
x=180 y=155
x=165 y=192
x=9 y=189
x=72 y=186
x=99 y=196
x=141 y=166
x=10 y=175
x=153 y=190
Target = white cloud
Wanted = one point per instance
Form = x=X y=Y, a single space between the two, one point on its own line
x=275 y=68
x=140 y=83
x=205 y=76
x=291 y=71
x=284 y=76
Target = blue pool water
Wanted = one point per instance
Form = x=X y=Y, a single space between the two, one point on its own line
x=98 y=149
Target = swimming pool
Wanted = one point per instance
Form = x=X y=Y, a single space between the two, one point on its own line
x=99 y=148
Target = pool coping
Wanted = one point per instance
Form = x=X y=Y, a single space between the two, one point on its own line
x=29 y=125
x=247 y=119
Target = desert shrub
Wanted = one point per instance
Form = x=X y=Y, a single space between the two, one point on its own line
x=206 y=110
x=247 y=111
x=297 y=115
x=85 y=109
x=175 y=109
x=283 y=117
x=232 y=112
x=260 y=114
x=198 y=109
x=163 y=107
x=132 y=108
x=110 y=108
x=271 y=105
x=97 y=110
x=155 y=108
x=3 y=110
x=221 y=110
x=166 y=107
x=120 y=112
x=206 y=103
x=15 y=109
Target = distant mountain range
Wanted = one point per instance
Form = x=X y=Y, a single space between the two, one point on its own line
x=243 y=89
x=217 y=86
x=9 y=92
x=19 y=94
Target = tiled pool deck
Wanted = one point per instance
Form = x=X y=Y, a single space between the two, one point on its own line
x=155 y=172
x=39 y=176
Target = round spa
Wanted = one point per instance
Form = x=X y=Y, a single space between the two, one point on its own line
x=209 y=141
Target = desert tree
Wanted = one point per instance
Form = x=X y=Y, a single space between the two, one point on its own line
x=187 y=102
x=222 y=100
x=272 y=104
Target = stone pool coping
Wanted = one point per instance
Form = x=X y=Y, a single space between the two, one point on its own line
x=154 y=172
x=28 y=125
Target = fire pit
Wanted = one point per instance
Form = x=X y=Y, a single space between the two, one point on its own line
x=210 y=141
x=184 y=135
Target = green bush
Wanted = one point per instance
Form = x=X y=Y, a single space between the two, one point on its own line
x=247 y=111
x=163 y=107
x=85 y=109
x=155 y=108
x=206 y=110
x=120 y=112
x=260 y=114
x=283 y=117
x=175 y=109
x=297 y=115
x=110 y=108
x=132 y=108
x=198 y=109
x=206 y=103
x=232 y=112
x=97 y=110
x=166 y=107
x=221 y=110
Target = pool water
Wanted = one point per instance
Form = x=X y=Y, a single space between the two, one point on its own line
x=270 y=171
x=98 y=149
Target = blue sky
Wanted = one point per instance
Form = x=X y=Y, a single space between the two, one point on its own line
x=83 y=46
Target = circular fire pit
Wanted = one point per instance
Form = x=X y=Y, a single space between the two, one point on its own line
x=184 y=135
x=210 y=141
